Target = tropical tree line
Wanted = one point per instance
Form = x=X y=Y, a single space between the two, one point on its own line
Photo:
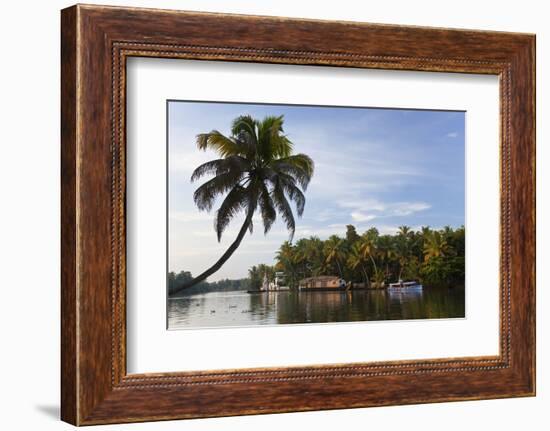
x=177 y=279
x=433 y=257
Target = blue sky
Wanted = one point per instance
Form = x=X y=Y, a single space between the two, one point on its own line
x=378 y=168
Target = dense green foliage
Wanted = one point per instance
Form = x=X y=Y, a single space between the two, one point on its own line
x=175 y=280
x=433 y=257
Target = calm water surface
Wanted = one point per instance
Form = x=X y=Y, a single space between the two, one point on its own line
x=245 y=309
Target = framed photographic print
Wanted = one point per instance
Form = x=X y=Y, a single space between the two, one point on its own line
x=324 y=214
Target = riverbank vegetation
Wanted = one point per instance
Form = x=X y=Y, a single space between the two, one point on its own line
x=433 y=257
x=225 y=285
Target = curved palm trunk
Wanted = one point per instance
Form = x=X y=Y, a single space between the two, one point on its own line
x=222 y=259
x=375 y=271
x=365 y=276
x=292 y=275
x=373 y=263
x=339 y=268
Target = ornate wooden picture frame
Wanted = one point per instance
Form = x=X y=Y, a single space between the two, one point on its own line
x=96 y=41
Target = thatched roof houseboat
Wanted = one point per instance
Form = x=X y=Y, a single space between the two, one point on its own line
x=322 y=282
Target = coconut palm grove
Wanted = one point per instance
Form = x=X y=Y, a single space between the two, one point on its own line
x=255 y=178
x=433 y=257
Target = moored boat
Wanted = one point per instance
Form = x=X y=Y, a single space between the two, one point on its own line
x=405 y=285
x=322 y=283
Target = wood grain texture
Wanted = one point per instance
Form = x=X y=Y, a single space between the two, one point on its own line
x=96 y=41
x=69 y=331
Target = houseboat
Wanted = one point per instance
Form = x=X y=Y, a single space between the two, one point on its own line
x=322 y=282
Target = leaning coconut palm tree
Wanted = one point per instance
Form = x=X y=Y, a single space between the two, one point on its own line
x=386 y=251
x=256 y=168
x=314 y=255
x=286 y=261
x=357 y=260
x=367 y=245
x=335 y=253
x=403 y=247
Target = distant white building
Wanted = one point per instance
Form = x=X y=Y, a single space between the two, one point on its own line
x=276 y=284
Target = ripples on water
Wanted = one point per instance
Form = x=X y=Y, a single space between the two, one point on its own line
x=216 y=309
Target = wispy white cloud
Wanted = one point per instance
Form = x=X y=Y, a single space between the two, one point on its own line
x=371 y=209
x=362 y=217
x=363 y=204
x=408 y=208
x=452 y=135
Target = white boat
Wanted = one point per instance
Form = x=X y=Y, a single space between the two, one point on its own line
x=405 y=285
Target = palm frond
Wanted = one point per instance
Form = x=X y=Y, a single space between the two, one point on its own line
x=300 y=166
x=282 y=205
x=236 y=163
x=293 y=192
x=221 y=166
x=207 y=168
x=267 y=208
x=243 y=123
x=281 y=146
x=235 y=201
x=218 y=142
x=206 y=194
x=272 y=143
x=243 y=129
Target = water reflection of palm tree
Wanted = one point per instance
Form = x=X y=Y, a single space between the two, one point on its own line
x=256 y=168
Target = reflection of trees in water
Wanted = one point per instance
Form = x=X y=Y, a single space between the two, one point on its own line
x=179 y=310
x=240 y=309
x=449 y=304
x=263 y=306
x=426 y=304
x=320 y=307
x=378 y=305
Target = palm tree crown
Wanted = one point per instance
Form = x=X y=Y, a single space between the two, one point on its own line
x=334 y=251
x=256 y=168
x=435 y=245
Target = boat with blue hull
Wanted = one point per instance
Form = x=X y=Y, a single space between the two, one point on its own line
x=405 y=286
